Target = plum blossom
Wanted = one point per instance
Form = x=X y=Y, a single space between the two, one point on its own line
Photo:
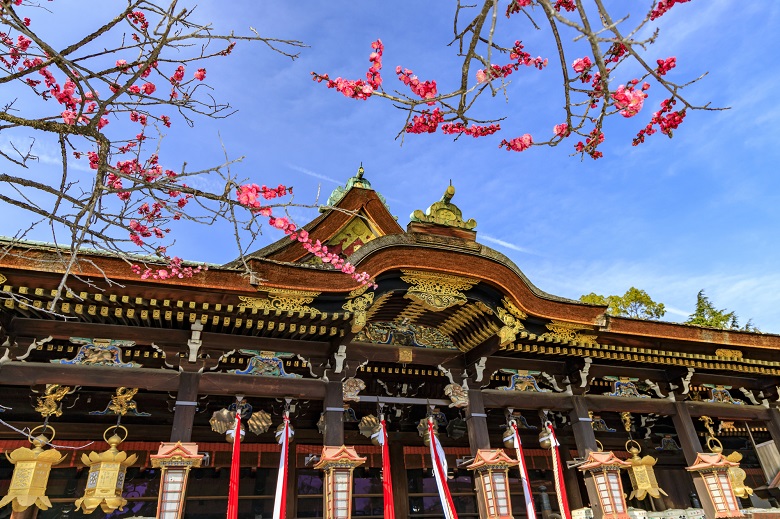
x=628 y=100
x=521 y=143
x=580 y=65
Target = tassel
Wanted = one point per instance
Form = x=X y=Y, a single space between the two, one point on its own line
x=235 y=469
x=440 y=473
x=280 y=502
x=529 y=497
x=560 y=488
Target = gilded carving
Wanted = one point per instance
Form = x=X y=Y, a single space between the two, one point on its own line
x=598 y=424
x=283 y=301
x=3 y=279
x=99 y=352
x=457 y=394
x=122 y=403
x=719 y=394
x=569 y=332
x=728 y=354
x=351 y=387
x=265 y=363
x=50 y=404
x=444 y=212
x=512 y=318
x=624 y=387
x=359 y=307
x=436 y=291
x=522 y=380
x=404 y=333
x=405 y=355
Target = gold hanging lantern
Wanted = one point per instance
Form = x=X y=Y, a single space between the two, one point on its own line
x=642 y=474
x=31 y=472
x=106 y=476
x=737 y=476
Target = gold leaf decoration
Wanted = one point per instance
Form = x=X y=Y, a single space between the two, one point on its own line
x=436 y=291
x=282 y=301
x=561 y=331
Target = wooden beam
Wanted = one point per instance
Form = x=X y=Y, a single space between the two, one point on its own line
x=17 y=373
x=34 y=373
x=362 y=351
x=728 y=411
x=147 y=335
x=272 y=387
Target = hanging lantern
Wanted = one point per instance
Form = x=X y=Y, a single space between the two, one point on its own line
x=338 y=463
x=106 y=476
x=713 y=467
x=491 y=467
x=737 y=476
x=642 y=474
x=605 y=469
x=174 y=461
x=31 y=472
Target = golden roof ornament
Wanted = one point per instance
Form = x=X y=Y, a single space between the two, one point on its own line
x=31 y=472
x=106 y=478
x=444 y=213
x=357 y=181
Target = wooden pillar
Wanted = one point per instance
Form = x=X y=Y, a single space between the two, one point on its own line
x=582 y=426
x=400 y=481
x=571 y=480
x=334 y=414
x=30 y=513
x=585 y=440
x=476 y=419
x=186 y=403
x=773 y=425
x=691 y=446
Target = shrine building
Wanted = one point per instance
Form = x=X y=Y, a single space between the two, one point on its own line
x=119 y=399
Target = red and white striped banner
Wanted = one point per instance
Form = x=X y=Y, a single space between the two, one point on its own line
x=280 y=498
x=440 y=473
x=560 y=488
x=235 y=471
x=529 y=497
x=387 y=481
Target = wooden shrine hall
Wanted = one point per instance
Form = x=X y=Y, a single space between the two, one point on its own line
x=120 y=399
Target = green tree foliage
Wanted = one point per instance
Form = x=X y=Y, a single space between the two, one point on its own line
x=634 y=303
x=707 y=315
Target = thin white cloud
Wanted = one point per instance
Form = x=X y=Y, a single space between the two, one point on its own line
x=505 y=244
x=312 y=173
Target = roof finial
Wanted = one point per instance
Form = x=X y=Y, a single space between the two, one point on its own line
x=360 y=170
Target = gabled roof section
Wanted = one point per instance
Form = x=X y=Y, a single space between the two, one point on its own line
x=355 y=215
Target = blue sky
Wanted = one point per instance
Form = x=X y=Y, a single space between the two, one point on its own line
x=699 y=211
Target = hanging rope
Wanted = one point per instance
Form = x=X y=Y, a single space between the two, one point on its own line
x=529 y=497
x=26 y=433
x=560 y=488
x=280 y=499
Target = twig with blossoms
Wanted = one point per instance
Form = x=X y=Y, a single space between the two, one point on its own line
x=250 y=196
x=589 y=100
x=121 y=71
